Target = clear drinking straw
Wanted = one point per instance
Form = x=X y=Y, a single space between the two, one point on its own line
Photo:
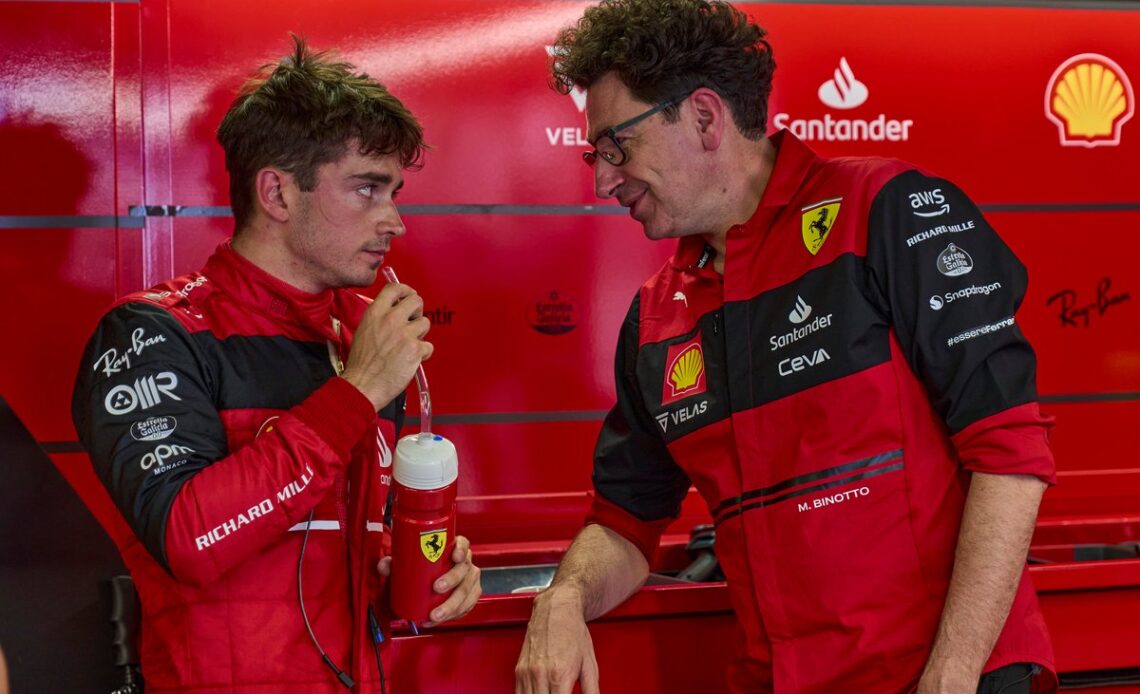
x=421 y=377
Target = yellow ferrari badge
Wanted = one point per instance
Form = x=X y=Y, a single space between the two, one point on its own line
x=817 y=221
x=432 y=543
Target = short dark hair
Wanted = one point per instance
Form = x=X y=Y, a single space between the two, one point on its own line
x=666 y=48
x=304 y=112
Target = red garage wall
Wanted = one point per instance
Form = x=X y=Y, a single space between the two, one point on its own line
x=112 y=180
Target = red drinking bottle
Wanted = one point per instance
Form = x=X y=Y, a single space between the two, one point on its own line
x=425 y=473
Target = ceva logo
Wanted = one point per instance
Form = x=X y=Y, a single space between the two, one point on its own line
x=1090 y=99
x=843 y=91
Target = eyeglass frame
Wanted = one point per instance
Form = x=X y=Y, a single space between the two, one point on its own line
x=591 y=156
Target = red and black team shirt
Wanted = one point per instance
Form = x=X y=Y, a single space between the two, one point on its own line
x=213 y=416
x=828 y=397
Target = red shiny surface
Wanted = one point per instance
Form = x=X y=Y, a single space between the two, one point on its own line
x=973 y=81
x=49 y=310
x=105 y=106
x=689 y=652
x=1080 y=268
x=56 y=125
x=1094 y=435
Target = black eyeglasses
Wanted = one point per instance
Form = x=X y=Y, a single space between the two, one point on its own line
x=607 y=146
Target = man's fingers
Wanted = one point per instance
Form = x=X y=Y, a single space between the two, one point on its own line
x=454 y=577
x=589 y=679
x=461 y=600
x=391 y=294
x=462 y=546
x=384 y=566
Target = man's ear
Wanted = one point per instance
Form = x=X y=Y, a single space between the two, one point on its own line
x=711 y=116
x=272 y=188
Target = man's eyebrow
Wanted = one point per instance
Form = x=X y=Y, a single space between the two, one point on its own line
x=373 y=177
x=593 y=139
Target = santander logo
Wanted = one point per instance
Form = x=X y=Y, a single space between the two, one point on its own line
x=844 y=90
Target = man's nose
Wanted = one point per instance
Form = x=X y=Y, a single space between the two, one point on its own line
x=607 y=178
x=390 y=222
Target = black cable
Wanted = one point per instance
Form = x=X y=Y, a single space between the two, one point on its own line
x=377 y=637
x=340 y=674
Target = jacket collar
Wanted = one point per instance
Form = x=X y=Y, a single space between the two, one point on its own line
x=266 y=294
x=794 y=160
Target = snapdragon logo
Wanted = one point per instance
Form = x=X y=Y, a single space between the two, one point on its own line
x=939 y=300
x=844 y=92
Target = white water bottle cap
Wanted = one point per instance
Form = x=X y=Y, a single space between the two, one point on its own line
x=425 y=462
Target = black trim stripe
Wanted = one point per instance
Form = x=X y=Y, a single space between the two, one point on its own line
x=78 y=221
x=1066 y=398
x=809 y=490
x=138 y=214
x=1061 y=207
x=428 y=209
x=809 y=477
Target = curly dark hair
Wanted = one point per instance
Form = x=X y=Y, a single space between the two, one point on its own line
x=303 y=112
x=664 y=48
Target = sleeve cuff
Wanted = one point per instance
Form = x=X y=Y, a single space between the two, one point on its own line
x=645 y=535
x=1011 y=442
x=338 y=413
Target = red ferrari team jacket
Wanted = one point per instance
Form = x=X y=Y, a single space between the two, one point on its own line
x=829 y=397
x=211 y=410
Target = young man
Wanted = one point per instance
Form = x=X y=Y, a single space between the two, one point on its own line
x=848 y=391
x=243 y=417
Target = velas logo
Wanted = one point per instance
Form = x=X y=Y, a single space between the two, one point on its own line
x=577 y=94
x=553 y=315
x=843 y=91
x=817 y=221
x=684 y=371
x=568 y=135
x=1089 y=98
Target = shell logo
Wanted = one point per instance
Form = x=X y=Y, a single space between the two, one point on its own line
x=686 y=370
x=1090 y=99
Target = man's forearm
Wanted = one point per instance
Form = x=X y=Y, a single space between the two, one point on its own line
x=997 y=524
x=600 y=570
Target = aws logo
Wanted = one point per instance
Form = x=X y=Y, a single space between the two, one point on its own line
x=1090 y=99
x=684 y=371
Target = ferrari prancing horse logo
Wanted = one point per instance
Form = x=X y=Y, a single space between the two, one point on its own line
x=432 y=543
x=817 y=221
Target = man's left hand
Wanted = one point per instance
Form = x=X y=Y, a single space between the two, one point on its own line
x=462 y=581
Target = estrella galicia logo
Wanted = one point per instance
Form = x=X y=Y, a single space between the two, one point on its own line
x=555 y=314
x=954 y=261
x=153 y=428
